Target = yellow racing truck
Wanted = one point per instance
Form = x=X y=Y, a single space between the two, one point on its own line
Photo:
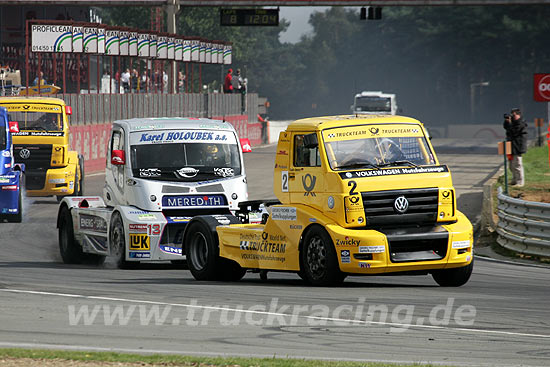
x=357 y=195
x=42 y=144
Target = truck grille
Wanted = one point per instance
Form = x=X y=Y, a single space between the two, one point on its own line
x=35 y=179
x=33 y=155
x=380 y=206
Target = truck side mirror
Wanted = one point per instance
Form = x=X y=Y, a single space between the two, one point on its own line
x=310 y=141
x=68 y=110
x=14 y=126
x=118 y=158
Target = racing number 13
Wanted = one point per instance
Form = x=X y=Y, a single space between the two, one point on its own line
x=154 y=229
x=284 y=181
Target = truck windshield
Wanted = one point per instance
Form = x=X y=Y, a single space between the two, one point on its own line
x=185 y=161
x=46 y=121
x=377 y=152
x=373 y=104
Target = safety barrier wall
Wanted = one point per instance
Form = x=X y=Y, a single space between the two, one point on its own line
x=523 y=226
x=93 y=114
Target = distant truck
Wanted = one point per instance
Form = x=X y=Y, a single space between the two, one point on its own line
x=42 y=144
x=160 y=173
x=11 y=175
x=374 y=103
x=358 y=195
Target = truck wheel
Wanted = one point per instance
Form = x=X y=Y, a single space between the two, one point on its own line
x=93 y=259
x=454 y=277
x=17 y=218
x=81 y=176
x=201 y=249
x=77 y=187
x=319 y=261
x=71 y=253
x=231 y=271
x=117 y=240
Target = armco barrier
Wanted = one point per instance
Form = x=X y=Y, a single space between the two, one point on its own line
x=523 y=226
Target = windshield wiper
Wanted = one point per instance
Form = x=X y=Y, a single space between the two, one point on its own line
x=357 y=164
x=398 y=163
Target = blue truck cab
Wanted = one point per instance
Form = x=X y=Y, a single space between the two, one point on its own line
x=11 y=174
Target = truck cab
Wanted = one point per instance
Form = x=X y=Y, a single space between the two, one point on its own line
x=160 y=173
x=11 y=175
x=377 y=103
x=42 y=144
x=358 y=195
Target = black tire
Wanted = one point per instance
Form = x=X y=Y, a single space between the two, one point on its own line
x=182 y=264
x=318 y=259
x=70 y=250
x=76 y=182
x=201 y=249
x=93 y=259
x=231 y=271
x=81 y=177
x=117 y=242
x=17 y=218
x=454 y=277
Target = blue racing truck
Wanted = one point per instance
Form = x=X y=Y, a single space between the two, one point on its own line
x=11 y=174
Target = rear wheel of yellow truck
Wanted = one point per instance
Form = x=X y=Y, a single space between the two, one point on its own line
x=454 y=277
x=318 y=259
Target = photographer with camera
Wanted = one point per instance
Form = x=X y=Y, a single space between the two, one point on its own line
x=516 y=132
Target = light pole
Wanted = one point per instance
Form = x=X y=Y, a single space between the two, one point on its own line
x=472 y=97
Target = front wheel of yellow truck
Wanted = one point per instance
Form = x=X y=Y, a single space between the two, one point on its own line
x=319 y=262
x=454 y=277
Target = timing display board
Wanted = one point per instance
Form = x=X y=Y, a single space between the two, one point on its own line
x=249 y=17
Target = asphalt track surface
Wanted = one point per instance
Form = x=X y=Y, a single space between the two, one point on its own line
x=500 y=318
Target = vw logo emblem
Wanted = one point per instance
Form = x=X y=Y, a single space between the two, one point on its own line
x=401 y=204
x=25 y=153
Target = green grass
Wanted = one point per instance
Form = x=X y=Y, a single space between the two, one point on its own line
x=537 y=172
x=175 y=360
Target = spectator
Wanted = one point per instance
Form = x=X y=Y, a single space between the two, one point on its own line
x=181 y=82
x=125 y=80
x=134 y=80
x=516 y=132
x=143 y=87
x=228 y=82
x=164 y=82
x=42 y=81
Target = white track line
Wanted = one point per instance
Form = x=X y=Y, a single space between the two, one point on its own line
x=318 y=318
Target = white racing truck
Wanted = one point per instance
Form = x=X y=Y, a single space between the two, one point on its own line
x=160 y=173
x=376 y=103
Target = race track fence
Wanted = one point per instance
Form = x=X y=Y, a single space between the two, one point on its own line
x=106 y=108
x=523 y=226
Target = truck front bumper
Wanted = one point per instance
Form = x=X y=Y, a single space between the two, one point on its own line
x=404 y=249
x=53 y=181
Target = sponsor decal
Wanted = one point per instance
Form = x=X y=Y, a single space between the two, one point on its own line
x=345 y=256
x=295 y=226
x=137 y=228
x=170 y=249
x=178 y=219
x=372 y=249
x=312 y=220
x=308 y=181
x=263 y=246
x=223 y=220
x=147 y=217
x=393 y=172
x=187 y=172
x=137 y=212
x=347 y=242
x=193 y=201
x=139 y=242
x=184 y=136
x=92 y=223
x=364 y=265
x=38 y=133
x=330 y=202
x=140 y=255
x=282 y=152
x=149 y=172
x=4 y=180
x=224 y=171
x=26 y=107
x=6 y=154
x=7 y=165
x=71 y=185
x=461 y=244
x=374 y=130
x=445 y=193
x=56 y=180
x=283 y=213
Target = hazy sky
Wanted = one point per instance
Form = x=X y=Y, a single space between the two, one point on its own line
x=298 y=18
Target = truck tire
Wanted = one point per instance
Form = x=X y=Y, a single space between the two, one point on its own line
x=231 y=271
x=117 y=240
x=454 y=277
x=17 y=218
x=70 y=250
x=201 y=249
x=318 y=259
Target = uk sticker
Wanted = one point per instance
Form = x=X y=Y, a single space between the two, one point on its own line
x=345 y=256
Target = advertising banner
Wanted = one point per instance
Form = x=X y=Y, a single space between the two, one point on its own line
x=112 y=42
x=227 y=54
x=143 y=44
x=162 y=47
x=171 y=47
x=153 y=42
x=51 y=38
x=90 y=39
x=178 y=48
x=101 y=39
x=124 y=46
x=195 y=48
x=133 y=43
x=202 y=51
x=78 y=39
x=186 y=52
